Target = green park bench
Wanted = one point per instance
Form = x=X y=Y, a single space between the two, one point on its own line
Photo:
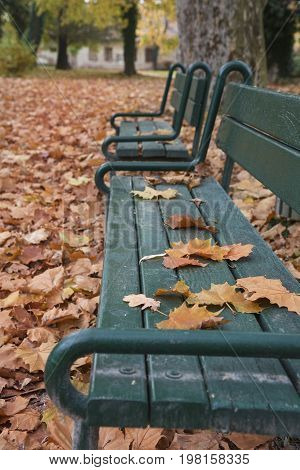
x=244 y=376
x=158 y=139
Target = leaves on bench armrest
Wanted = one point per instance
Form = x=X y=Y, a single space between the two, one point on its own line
x=259 y=287
x=150 y=193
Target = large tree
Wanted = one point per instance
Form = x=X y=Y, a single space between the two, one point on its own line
x=129 y=11
x=217 y=31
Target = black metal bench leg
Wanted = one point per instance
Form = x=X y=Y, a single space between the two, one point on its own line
x=85 y=437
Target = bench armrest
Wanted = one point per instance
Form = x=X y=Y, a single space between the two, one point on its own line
x=137 y=166
x=141 y=341
x=162 y=105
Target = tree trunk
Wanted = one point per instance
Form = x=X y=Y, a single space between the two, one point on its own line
x=155 y=53
x=62 y=56
x=130 y=18
x=217 y=32
x=35 y=29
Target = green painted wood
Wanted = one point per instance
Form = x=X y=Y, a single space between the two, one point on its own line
x=263 y=262
x=179 y=81
x=175 y=149
x=180 y=401
x=118 y=398
x=276 y=165
x=150 y=149
x=193 y=108
x=276 y=114
x=240 y=390
x=128 y=149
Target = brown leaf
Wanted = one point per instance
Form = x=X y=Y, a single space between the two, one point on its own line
x=247 y=441
x=199 y=440
x=180 y=288
x=113 y=439
x=185 y=318
x=14 y=406
x=237 y=251
x=9 y=358
x=222 y=294
x=35 y=358
x=47 y=281
x=32 y=253
x=259 y=287
x=150 y=193
x=60 y=427
x=171 y=262
x=143 y=439
x=57 y=315
x=140 y=300
x=186 y=221
x=27 y=421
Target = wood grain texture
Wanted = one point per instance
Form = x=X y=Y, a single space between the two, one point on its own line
x=127 y=149
x=276 y=114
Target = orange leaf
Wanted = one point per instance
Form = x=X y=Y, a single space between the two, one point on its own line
x=259 y=287
x=186 y=221
x=171 y=262
x=185 y=318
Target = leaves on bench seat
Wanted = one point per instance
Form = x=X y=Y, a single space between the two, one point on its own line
x=185 y=318
x=259 y=287
x=171 y=262
x=140 y=300
x=189 y=180
x=150 y=193
x=205 y=249
x=186 y=221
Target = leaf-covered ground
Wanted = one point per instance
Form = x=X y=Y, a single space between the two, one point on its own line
x=51 y=248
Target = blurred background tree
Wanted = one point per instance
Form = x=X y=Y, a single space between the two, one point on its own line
x=155 y=18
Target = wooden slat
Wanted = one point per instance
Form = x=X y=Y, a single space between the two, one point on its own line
x=274 y=113
x=182 y=401
x=150 y=149
x=118 y=399
x=179 y=81
x=263 y=262
x=192 y=112
x=175 y=149
x=240 y=389
x=274 y=164
x=128 y=149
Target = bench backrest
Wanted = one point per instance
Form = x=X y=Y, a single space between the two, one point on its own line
x=195 y=102
x=260 y=130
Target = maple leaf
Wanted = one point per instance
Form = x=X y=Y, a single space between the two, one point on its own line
x=47 y=281
x=14 y=406
x=180 y=288
x=35 y=358
x=260 y=287
x=137 y=300
x=75 y=241
x=185 y=318
x=150 y=193
x=58 y=315
x=186 y=221
x=34 y=238
x=143 y=439
x=238 y=251
x=4 y=236
x=222 y=294
x=171 y=262
x=79 y=181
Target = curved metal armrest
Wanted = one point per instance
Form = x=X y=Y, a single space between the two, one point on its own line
x=137 y=166
x=140 y=341
x=161 y=111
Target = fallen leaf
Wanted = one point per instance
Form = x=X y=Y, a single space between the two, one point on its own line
x=199 y=440
x=222 y=294
x=171 y=262
x=259 y=287
x=57 y=315
x=137 y=300
x=60 y=427
x=238 y=251
x=186 y=221
x=247 y=441
x=35 y=357
x=14 y=406
x=273 y=232
x=4 y=236
x=180 y=288
x=47 y=281
x=185 y=318
x=293 y=270
x=9 y=358
x=36 y=237
x=150 y=193
x=143 y=439
x=27 y=421
x=75 y=241
x=79 y=181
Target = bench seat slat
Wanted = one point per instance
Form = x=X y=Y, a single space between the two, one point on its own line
x=127 y=149
x=182 y=401
x=263 y=262
x=274 y=164
x=246 y=384
x=150 y=149
x=175 y=149
x=115 y=398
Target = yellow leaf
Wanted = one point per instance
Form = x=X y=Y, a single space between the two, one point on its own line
x=79 y=181
x=150 y=193
x=185 y=318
